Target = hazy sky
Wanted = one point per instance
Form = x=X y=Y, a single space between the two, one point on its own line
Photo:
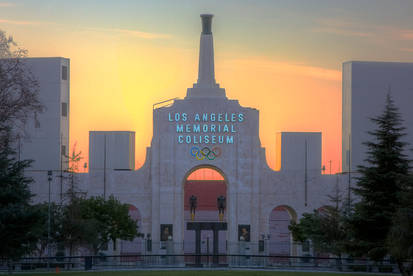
x=281 y=57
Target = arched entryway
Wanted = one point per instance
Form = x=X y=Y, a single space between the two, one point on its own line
x=280 y=242
x=205 y=189
x=134 y=247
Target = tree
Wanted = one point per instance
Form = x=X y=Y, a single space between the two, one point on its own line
x=325 y=227
x=400 y=238
x=112 y=220
x=19 y=89
x=19 y=222
x=93 y=222
x=56 y=224
x=379 y=185
x=77 y=231
x=73 y=161
x=18 y=101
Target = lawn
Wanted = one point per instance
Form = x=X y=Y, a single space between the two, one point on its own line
x=202 y=273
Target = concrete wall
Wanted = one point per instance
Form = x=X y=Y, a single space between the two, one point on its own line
x=294 y=154
x=112 y=150
x=47 y=134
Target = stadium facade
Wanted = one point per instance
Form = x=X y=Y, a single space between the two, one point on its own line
x=239 y=205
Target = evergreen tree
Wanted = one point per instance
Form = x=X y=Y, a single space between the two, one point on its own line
x=400 y=239
x=379 y=185
x=19 y=222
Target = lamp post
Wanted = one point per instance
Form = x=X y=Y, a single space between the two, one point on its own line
x=49 y=179
x=221 y=202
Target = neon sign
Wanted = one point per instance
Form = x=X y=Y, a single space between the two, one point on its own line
x=206 y=128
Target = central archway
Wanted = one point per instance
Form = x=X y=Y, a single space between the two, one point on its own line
x=206 y=184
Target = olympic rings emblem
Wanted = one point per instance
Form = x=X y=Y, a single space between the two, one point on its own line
x=205 y=152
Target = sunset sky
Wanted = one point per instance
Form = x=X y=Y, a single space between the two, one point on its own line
x=281 y=57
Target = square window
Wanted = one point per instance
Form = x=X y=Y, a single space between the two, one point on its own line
x=64 y=72
x=64 y=109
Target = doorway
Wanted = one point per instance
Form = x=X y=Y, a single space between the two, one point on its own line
x=205 y=230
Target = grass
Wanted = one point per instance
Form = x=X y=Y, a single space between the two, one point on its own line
x=202 y=273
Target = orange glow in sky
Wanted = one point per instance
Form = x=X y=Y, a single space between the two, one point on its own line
x=115 y=81
x=122 y=86
x=281 y=57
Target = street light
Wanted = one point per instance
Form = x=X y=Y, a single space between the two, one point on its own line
x=49 y=178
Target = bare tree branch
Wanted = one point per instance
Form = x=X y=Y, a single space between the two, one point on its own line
x=19 y=89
